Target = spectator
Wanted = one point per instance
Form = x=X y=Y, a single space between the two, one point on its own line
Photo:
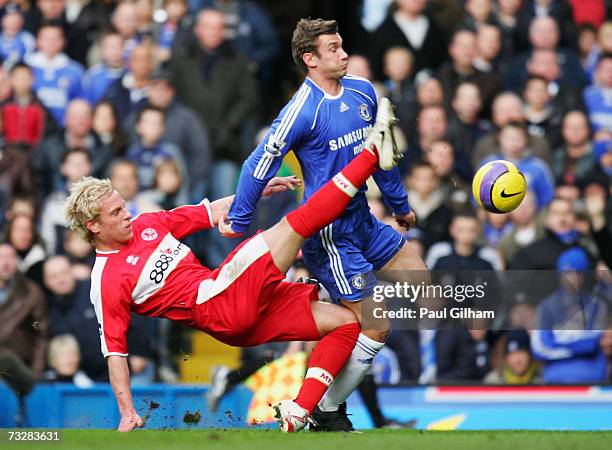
x=105 y=125
x=542 y=117
x=47 y=158
x=166 y=189
x=560 y=236
x=564 y=95
x=519 y=367
x=16 y=177
x=124 y=176
x=25 y=120
x=432 y=126
x=22 y=234
x=407 y=25
x=217 y=83
x=252 y=32
x=79 y=22
x=495 y=227
x=182 y=128
x=558 y=12
x=574 y=160
x=429 y=92
x=101 y=76
x=125 y=21
x=513 y=147
x=478 y=13
x=525 y=228
x=462 y=253
x=23 y=315
x=596 y=96
x=65 y=362
x=441 y=157
x=177 y=23
x=489 y=50
x=76 y=163
x=544 y=35
x=149 y=150
x=50 y=65
x=129 y=93
x=588 y=12
x=398 y=69
x=507 y=108
x=15 y=43
x=569 y=324
x=506 y=16
x=436 y=352
x=465 y=126
x=428 y=201
x=601 y=226
x=463 y=52
x=588 y=48
x=71 y=312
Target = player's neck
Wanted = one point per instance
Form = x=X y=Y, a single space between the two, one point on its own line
x=104 y=247
x=330 y=86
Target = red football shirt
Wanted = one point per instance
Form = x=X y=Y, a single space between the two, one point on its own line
x=153 y=275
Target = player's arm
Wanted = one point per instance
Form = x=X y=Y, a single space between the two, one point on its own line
x=287 y=131
x=395 y=196
x=112 y=310
x=119 y=375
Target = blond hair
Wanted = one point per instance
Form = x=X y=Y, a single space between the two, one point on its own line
x=60 y=345
x=83 y=204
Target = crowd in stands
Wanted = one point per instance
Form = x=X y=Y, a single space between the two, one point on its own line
x=166 y=98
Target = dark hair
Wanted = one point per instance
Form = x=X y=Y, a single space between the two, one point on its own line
x=149 y=108
x=466 y=214
x=516 y=124
x=535 y=78
x=20 y=65
x=73 y=151
x=587 y=27
x=603 y=57
x=51 y=24
x=420 y=164
x=305 y=35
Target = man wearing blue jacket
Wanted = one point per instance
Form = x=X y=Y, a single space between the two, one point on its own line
x=569 y=326
x=325 y=124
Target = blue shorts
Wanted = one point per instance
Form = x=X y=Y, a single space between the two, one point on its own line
x=344 y=255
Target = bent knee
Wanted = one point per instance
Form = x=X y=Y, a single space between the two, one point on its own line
x=378 y=331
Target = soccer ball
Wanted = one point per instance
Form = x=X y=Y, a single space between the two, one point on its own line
x=499 y=187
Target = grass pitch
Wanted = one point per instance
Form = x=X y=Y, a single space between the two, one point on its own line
x=369 y=440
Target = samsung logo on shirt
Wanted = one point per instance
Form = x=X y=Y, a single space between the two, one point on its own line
x=353 y=137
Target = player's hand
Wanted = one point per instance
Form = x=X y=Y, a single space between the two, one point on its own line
x=129 y=421
x=225 y=227
x=281 y=184
x=406 y=221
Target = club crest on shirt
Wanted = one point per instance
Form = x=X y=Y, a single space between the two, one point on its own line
x=148 y=234
x=359 y=281
x=364 y=112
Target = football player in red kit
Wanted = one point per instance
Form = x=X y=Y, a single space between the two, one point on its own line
x=142 y=266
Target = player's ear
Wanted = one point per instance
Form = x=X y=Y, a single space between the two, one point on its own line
x=93 y=226
x=310 y=59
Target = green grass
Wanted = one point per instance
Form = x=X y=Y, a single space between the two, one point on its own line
x=370 y=440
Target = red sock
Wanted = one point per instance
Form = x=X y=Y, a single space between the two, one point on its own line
x=330 y=201
x=328 y=358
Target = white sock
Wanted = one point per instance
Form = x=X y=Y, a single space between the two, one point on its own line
x=357 y=366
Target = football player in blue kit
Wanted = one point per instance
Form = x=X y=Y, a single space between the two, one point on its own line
x=325 y=124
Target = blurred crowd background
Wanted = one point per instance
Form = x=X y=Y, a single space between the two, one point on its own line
x=168 y=98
